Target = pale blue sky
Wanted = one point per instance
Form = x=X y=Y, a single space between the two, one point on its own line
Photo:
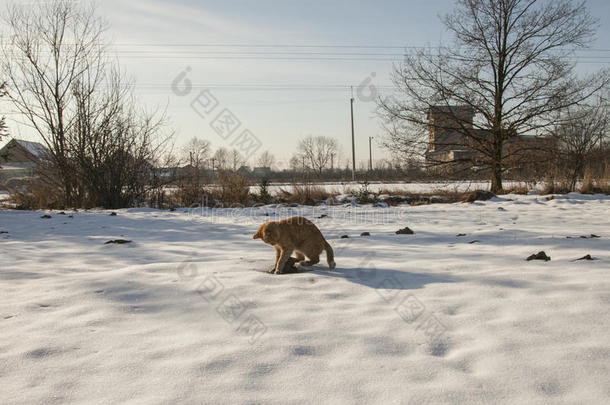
x=155 y=41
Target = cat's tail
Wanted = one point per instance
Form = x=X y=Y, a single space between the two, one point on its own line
x=330 y=255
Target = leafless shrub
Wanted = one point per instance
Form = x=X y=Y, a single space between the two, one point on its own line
x=233 y=188
x=581 y=133
x=522 y=189
x=103 y=149
x=37 y=195
x=187 y=195
x=304 y=193
x=556 y=183
x=596 y=180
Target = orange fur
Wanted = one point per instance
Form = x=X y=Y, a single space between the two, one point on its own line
x=296 y=234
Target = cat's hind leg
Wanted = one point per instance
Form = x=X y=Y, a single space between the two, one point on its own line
x=313 y=259
x=299 y=257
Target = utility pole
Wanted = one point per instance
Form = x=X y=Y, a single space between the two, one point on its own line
x=601 y=135
x=332 y=161
x=351 y=104
x=370 y=155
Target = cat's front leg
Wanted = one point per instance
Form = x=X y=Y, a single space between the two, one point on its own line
x=284 y=256
x=278 y=252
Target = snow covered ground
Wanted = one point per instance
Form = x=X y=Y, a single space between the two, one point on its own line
x=185 y=313
x=400 y=187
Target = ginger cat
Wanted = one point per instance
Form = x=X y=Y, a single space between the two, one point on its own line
x=296 y=234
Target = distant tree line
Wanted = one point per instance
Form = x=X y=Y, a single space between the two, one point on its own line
x=511 y=64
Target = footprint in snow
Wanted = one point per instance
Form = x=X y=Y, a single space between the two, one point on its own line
x=438 y=349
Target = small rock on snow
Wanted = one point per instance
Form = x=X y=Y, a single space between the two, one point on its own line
x=405 y=231
x=539 y=256
x=118 y=242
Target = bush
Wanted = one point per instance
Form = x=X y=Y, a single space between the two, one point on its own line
x=263 y=192
x=37 y=195
x=305 y=194
x=479 y=195
x=557 y=182
x=189 y=194
x=364 y=196
x=556 y=187
x=596 y=181
x=233 y=188
x=517 y=189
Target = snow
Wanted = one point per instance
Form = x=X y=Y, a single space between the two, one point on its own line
x=343 y=188
x=423 y=318
x=18 y=166
x=35 y=148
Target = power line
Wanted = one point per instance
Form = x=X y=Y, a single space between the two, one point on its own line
x=261 y=53
x=217 y=45
x=144 y=57
x=301 y=46
x=605 y=60
x=327 y=46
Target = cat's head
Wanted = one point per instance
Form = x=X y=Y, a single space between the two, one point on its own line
x=268 y=233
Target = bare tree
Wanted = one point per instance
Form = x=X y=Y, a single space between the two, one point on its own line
x=510 y=69
x=221 y=159
x=296 y=163
x=581 y=131
x=50 y=47
x=266 y=159
x=2 y=118
x=317 y=152
x=197 y=152
x=66 y=87
x=236 y=159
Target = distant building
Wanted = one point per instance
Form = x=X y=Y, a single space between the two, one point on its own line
x=20 y=152
x=19 y=158
x=244 y=170
x=261 y=172
x=447 y=126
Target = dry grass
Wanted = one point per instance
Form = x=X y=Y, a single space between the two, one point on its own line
x=556 y=183
x=556 y=187
x=37 y=196
x=188 y=195
x=233 y=189
x=517 y=189
x=596 y=181
x=305 y=194
x=396 y=197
